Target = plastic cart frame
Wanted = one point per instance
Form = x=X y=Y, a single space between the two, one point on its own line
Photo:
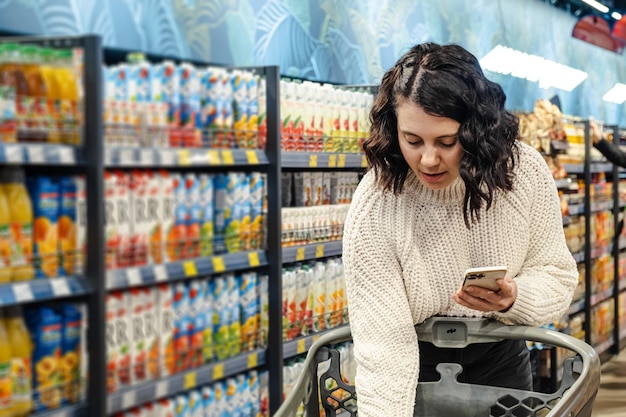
x=447 y=397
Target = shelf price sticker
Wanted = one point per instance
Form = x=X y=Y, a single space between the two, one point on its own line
x=363 y=161
x=312 y=161
x=332 y=161
x=184 y=158
x=300 y=254
x=13 y=153
x=319 y=251
x=189 y=268
x=22 y=292
x=227 y=157
x=189 y=380
x=129 y=399
x=315 y=338
x=214 y=157
x=160 y=273
x=301 y=346
x=253 y=360
x=160 y=390
x=218 y=264
x=341 y=160
x=133 y=276
x=146 y=157
x=126 y=156
x=59 y=287
x=66 y=154
x=252 y=157
x=253 y=259
x=36 y=154
x=218 y=371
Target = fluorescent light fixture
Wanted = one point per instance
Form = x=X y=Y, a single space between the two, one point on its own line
x=617 y=94
x=533 y=68
x=597 y=5
x=616 y=16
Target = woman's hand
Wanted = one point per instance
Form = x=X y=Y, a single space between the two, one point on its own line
x=596 y=134
x=482 y=299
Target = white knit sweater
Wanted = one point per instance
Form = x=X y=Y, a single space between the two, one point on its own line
x=405 y=255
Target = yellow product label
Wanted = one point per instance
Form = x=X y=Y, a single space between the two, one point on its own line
x=21 y=376
x=21 y=243
x=5 y=385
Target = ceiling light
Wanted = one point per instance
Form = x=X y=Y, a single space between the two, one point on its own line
x=533 y=68
x=616 y=16
x=597 y=5
x=617 y=94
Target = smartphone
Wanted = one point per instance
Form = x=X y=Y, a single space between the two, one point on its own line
x=484 y=277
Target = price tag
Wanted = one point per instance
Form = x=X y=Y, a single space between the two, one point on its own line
x=160 y=273
x=227 y=157
x=189 y=380
x=160 y=390
x=189 y=267
x=341 y=162
x=129 y=399
x=36 y=154
x=253 y=258
x=184 y=158
x=108 y=156
x=363 y=161
x=253 y=360
x=133 y=276
x=66 y=155
x=59 y=287
x=332 y=161
x=146 y=157
x=252 y=157
x=167 y=157
x=126 y=156
x=300 y=254
x=301 y=346
x=319 y=251
x=218 y=264
x=312 y=161
x=218 y=371
x=315 y=338
x=22 y=292
x=214 y=158
x=13 y=153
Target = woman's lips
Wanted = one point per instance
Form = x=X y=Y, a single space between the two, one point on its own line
x=433 y=177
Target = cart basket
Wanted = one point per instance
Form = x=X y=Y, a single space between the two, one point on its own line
x=448 y=397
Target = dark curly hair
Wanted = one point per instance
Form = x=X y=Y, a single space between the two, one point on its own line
x=447 y=80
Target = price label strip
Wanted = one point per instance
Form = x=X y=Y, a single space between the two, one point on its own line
x=22 y=292
x=218 y=371
x=218 y=264
x=253 y=259
x=312 y=161
x=227 y=157
x=252 y=157
x=189 y=268
x=59 y=287
x=189 y=380
x=332 y=161
x=341 y=161
x=300 y=254
x=36 y=154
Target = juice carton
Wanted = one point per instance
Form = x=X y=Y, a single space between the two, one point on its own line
x=70 y=361
x=138 y=218
x=165 y=407
x=165 y=320
x=264 y=320
x=207 y=334
x=45 y=192
x=117 y=219
x=221 y=316
x=122 y=337
x=220 y=407
x=193 y=216
x=243 y=402
x=153 y=223
x=137 y=336
x=81 y=225
x=234 y=323
x=151 y=331
x=304 y=299
x=140 y=94
x=232 y=393
x=180 y=306
x=252 y=91
x=257 y=198
x=190 y=106
x=245 y=215
x=8 y=124
x=181 y=406
x=232 y=210
x=67 y=225
x=226 y=91
x=249 y=302
x=288 y=295
x=111 y=343
x=262 y=119
x=177 y=235
x=211 y=115
x=197 y=322
x=220 y=187
x=240 y=106
x=208 y=400
x=196 y=406
x=255 y=402
x=166 y=89
x=45 y=327
x=319 y=297
x=206 y=214
x=167 y=215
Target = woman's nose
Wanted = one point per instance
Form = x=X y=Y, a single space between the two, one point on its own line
x=430 y=157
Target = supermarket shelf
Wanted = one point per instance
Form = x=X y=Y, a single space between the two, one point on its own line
x=133 y=157
x=152 y=274
x=303 y=344
x=579 y=209
x=313 y=251
x=77 y=410
x=576 y=307
x=604 y=346
x=42 y=290
x=567 y=220
x=579 y=256
x=576 y=209
x=595 y=167
x=322 y=160
x=622 y=285
x=36 y=154
x=563 y=183
x=184 y=381
x=602 y=296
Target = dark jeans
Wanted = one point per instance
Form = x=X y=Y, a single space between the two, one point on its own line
x=504 y=364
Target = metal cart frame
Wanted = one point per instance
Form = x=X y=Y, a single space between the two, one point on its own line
x=447 y=397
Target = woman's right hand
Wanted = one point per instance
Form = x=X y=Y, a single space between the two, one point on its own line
x=596 y=133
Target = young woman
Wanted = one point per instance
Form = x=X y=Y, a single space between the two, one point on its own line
x=449 y=187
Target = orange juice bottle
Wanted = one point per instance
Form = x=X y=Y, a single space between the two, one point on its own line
x=48 y=68
x=6 y=356
x=5 y=239
x=21 y=218
x=35 y=101
x=21 y=371
x=67 y=95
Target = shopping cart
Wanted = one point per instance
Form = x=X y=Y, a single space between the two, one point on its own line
x=448 y=397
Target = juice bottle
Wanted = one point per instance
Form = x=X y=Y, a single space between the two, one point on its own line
x=21 y=218
x=48 y=72
x=12 y=77
x=6 y=355
x=5 y=239
x=67 y=95
x=21 y=370
x=34 y=104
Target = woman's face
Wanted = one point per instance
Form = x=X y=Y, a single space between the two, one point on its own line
x=429 y=144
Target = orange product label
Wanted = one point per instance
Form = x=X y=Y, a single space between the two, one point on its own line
x=21 y=243
x=5 y=385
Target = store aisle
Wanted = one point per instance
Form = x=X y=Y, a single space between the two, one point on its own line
x=611 y=399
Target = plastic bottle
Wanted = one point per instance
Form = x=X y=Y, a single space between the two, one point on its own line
x=6 y=357
x=5 y=239
x=21 y=216
x=67 y=95
x=21 y=370
x=35 y=103
x=48 y=69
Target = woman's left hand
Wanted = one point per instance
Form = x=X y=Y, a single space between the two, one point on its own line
x=482 y=299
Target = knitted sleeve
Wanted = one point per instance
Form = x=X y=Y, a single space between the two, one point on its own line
x=548 y=276
x=385 y=342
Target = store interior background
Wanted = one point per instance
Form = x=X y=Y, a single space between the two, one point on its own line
x=338 y=41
